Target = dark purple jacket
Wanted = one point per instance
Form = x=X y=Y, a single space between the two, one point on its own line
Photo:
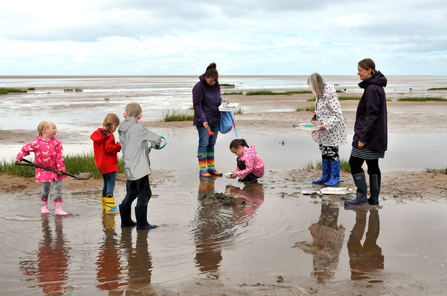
x=206 y=101
x=371 y=119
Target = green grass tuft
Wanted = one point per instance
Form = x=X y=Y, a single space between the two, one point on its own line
x=75 y=164
x=5 y=90
x=227 y=85
x=233 y=93
x=344 y=165
x=437 y=88
x=177 y=115
x=31 y=88
x=239 y=111
x=436 y=171
x=271 y=93
x=305 y=108
x=349 y=98
x=312 y=99
x=423 y=99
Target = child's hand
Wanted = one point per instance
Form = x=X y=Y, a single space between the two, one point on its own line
x=17 y=161
x=234 y=175
x=59 y=173
x=149 y=150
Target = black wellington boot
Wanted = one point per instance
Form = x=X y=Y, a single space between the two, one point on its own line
x=142 y=224
x=374 y=188
x=126 y=220
x=362 y=188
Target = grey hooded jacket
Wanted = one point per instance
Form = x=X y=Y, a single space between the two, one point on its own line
x=134 y=139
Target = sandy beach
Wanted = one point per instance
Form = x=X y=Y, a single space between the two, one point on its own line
x=398 y=187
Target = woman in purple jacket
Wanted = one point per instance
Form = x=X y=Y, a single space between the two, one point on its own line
x=370 y=134
x=206 y=101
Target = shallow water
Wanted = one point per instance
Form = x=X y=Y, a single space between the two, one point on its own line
x=87 y=253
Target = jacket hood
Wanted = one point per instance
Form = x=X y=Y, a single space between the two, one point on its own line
x=99 y=135
x=378 y=79
x=125 y=125
x=251 y=149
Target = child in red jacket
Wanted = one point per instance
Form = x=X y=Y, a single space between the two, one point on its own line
x=106 y=159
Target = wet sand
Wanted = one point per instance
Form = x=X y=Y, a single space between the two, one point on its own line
x=343 y=263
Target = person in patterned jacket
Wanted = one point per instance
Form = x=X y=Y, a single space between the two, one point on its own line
x=332 y=131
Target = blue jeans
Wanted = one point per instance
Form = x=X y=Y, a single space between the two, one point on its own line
x=207 y=142
x=109 y=183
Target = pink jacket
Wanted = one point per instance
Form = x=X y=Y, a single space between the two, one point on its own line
x=47 y=153
x=253 y=163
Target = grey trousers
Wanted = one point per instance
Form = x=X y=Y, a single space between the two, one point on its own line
x=57 y=190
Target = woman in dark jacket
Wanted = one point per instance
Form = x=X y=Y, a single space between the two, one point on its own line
x=206 y=102
x=370 y=134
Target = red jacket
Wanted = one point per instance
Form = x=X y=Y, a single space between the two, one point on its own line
x=105 y=151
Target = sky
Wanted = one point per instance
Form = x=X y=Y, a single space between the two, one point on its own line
x=243 y=37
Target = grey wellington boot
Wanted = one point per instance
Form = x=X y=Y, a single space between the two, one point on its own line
x=362 y=188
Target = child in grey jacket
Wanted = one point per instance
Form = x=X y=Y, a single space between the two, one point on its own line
x=134 y=139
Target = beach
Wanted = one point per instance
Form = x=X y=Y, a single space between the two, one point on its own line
x=267 y=248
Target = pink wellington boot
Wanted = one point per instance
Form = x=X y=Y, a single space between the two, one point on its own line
x=58 y=208
x=44 y=206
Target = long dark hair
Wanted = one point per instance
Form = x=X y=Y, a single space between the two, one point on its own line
x=211 y=71
x=238 y=142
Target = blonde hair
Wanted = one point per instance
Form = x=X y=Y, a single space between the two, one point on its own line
x=316 y=84
x=44 y=125
x=133 y=110
x=110 y=120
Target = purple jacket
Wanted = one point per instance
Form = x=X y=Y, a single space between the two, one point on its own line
x=371 y=118
x=206 y=101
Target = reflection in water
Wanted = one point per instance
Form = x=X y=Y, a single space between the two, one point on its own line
x=215 y=224
x=327 y=243
x=254 y=198
x=50 y=268
x=367 y=257
x=108 y=267
x=139 y=260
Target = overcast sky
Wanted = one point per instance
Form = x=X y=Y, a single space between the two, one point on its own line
x=253 y=37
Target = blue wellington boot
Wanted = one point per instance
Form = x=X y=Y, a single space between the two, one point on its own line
x=335 y=174
x=362 y=188
x=326 y=176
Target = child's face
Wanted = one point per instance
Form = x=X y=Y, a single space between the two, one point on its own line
x=50 y=132
x=238 y=151
x=113 y=128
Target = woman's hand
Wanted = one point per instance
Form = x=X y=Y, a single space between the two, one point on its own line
x=17 y=161
x=234 y=175
x=322 y=128
x=361 y=144
x=205 y=124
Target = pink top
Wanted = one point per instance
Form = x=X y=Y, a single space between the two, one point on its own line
x=253 y=163
x=47 y=153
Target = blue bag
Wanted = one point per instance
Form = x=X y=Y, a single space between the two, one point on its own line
x=226 y=122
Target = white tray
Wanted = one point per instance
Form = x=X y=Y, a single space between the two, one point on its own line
x=228 y=107
x=329 y=190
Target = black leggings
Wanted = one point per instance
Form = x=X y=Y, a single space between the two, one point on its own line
x=356 y=165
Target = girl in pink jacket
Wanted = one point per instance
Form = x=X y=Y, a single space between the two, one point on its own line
x=250 y=165
x=47 y=152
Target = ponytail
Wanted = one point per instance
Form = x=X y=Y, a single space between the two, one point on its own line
x=238 y=142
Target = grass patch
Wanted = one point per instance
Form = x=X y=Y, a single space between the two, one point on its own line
x=4 y=91
x=437 y=88
x=31 y=88
x=344 y=165
x=312 y=99
x=68 y=89
x=74 y=163
x=233 y=93
x=271 y=93
x=422 y=99
x=436 y=171
x=349 y=98
x=305 y=108
x=227 y=85
x=78 y=90
x=239 y=111
x=177 y=115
